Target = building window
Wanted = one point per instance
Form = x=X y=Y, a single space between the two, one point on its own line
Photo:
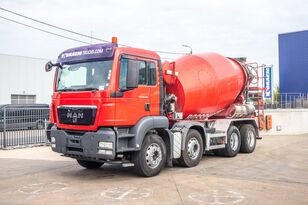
x=23 y=99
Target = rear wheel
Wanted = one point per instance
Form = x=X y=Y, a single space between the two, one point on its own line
x=150 y=160
x=248 y=135
x=192 y=154
x=233 y=143
x=89 y=164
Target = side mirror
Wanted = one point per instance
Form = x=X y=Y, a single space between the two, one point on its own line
x=48 y=66
x=132 y=74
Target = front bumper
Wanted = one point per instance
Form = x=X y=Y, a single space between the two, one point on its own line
x=84 y=145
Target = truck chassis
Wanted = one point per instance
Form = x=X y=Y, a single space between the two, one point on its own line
x=151 y=143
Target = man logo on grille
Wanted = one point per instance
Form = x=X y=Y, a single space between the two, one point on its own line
x=74 y=116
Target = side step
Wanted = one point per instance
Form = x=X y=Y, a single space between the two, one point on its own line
x=126 y=135
x=122 y=163
x=128 y=164
x=220 y=146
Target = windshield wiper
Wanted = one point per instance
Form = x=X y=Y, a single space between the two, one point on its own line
x=66 y=89
x=77 y=89
x=86 y=88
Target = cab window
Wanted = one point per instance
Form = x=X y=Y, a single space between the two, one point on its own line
x=142 y=73
x=152 y=73
x=123 y=73
x=147 y=72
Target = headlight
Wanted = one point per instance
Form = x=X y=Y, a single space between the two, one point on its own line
x=105 y=145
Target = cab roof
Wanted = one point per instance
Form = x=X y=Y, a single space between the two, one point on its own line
x=100 y=51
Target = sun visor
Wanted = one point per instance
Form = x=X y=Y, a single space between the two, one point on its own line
x=87 y=53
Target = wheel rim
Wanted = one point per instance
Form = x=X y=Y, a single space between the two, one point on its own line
x=251 y=138
x=193 y=148
x=153 y=155
x=234 y=141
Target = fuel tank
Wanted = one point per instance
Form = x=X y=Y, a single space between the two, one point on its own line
x=205 y=83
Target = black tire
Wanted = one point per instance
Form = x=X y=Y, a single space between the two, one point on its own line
x=153 y=147
x=229 y=150
x=89 y=164
x=249 y=136
x=191 y=159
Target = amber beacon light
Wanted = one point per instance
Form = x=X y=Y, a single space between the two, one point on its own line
x=114 y=40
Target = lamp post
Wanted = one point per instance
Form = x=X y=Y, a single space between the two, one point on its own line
x=187 y=46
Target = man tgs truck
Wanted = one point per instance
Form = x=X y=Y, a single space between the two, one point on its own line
x=115 y=104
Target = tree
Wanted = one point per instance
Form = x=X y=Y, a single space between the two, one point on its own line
x=277 y=94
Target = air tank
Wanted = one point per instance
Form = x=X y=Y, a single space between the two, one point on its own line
x=205 y=83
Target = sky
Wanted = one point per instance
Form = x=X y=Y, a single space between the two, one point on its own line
x=233 y=28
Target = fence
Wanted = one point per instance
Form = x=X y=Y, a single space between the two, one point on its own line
x=23 y=125
x=289 y=100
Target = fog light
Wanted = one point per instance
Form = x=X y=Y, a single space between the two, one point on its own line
x=53 y=140
x=109 y=152
x=53 y=145
x=106 y=152
x=105 y=145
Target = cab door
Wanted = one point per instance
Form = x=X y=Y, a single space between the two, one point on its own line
x=154 y=85
x=132 y=104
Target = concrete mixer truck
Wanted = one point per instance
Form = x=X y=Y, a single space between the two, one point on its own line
x=123 y=105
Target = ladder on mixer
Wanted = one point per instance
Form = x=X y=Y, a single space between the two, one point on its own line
x=256 y=90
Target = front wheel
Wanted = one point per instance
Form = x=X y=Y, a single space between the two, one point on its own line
x=150 y=160
x=89 y=164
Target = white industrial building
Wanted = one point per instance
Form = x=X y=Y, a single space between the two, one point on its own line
x=23 y=80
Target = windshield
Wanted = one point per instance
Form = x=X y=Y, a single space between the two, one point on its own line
x=84 y=76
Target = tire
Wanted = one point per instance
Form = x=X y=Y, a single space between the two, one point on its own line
x=233 y=143
x=248 y=135
x=151 y=159
x=193 y=152
x=89 y=164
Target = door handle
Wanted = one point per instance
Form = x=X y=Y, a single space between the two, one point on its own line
x=147 y=106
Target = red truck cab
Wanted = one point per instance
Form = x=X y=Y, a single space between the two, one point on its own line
x=99 y=92
x=112 y=101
